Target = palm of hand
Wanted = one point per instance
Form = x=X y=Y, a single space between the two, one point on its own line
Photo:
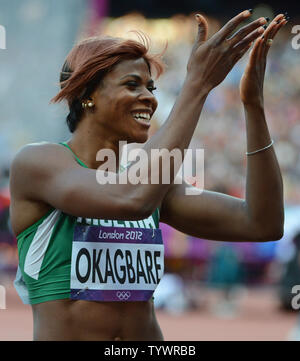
x=251 y=84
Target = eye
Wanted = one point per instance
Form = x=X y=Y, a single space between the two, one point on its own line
x=151 y=88
x=132 y=84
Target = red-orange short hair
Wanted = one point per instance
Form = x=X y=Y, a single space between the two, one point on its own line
x=90 y=60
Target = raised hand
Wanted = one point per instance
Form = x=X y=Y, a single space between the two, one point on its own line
x=211 y=60
x=251 y=85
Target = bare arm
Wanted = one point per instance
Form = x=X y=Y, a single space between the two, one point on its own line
x=217 y=216
x=264 y=189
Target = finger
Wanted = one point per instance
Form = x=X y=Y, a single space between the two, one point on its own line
x=273 y=26
x=268 y=42
x=264 y=40
x=249 y=39
x=229 y=27
x=254 y=52
x=276 y=29
x=245 y=31
x=259 y=50
x=241 y=53
x=270 y=34
x=202 y=28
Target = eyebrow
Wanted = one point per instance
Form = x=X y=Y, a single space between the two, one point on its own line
x=137 y=77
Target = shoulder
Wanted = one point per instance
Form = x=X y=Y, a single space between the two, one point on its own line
x=40 y=156
x=36 y=162
x=36 y=151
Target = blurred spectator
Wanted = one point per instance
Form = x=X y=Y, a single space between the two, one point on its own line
x=226 y=272
x=170 y=294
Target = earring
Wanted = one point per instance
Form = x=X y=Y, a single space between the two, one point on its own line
x=89 y=104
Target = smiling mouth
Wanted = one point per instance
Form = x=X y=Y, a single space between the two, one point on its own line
x=142 y=118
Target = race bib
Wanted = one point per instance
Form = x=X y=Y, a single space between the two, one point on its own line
x=116 y=263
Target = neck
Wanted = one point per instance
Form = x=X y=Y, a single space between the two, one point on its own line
x=86 y=143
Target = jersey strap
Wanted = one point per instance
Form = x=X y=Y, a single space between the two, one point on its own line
x=77 y=159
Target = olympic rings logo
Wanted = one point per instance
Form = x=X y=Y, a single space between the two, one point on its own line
x=123 y=295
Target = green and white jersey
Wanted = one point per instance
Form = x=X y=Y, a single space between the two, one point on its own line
x=45 y=250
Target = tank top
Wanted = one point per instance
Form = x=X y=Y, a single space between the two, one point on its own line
x=45 y=253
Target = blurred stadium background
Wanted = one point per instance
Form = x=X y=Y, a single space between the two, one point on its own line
x=211 y=290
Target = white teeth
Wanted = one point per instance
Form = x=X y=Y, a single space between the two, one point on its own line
x=142 y=116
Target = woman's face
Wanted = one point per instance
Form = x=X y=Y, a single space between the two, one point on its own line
x=124 y=102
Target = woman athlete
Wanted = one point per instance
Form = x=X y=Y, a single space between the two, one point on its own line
x=90 y=254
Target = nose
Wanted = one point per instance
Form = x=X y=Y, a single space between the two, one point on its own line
x=148 y=98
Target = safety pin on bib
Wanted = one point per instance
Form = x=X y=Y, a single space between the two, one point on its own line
x=153 y=234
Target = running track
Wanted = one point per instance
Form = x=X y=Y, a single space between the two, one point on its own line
x=257 y=318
